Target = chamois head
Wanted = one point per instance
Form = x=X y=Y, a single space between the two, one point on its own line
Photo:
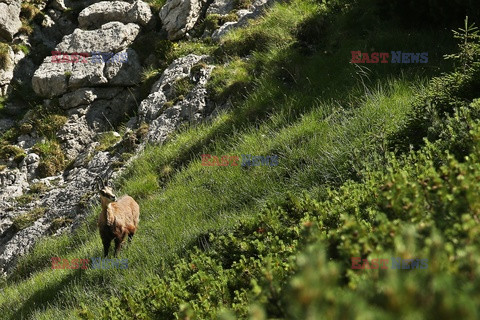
x=106 y=192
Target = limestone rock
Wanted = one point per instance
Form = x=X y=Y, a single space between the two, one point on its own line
x=74 y=136
x=124 y=73
x=256 y=10
x=53 y=79
x=6 y=74
x=9 y=18
x=164 y=118
x=221 y=7
x=179 y=16
x=105 y=11
x=111 y=37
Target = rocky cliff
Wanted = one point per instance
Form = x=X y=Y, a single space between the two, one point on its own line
x=68 y=114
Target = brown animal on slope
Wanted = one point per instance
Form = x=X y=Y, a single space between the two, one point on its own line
x=118 y=218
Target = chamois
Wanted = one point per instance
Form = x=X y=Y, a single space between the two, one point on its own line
x=118 y=218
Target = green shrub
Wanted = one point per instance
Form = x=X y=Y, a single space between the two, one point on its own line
x=4 y=56
x=38 y=187
x=24 y=199
x=26 y=27
x=27 y=219
x=52 y=158
x=28 y=11
x=26 y=128
x=142 y=131
x=8 y=151
x=58 y=223
x=183 y=86
x=21 y=47
x=448 y=94
x=107 y=140
x=48 y=125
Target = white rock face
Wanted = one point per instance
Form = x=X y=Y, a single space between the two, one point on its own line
x=111 y=37
x=191 y=108
x=256 y=10
x=6 y=74
x=54 y=79
x=105 y=11
x=221 y=7
x=179 y=16
x=9 y=18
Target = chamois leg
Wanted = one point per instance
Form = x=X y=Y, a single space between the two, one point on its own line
x=118 y=245
x=106 y=247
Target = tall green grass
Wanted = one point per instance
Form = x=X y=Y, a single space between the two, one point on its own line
x=310 y=109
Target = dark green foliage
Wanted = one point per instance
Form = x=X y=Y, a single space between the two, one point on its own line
x=257 y=40
x=230 y=82
x=8 y=151
x=444 y=12
x=454 y=91
x=293 y=260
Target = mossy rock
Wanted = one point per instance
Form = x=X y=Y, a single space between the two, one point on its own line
x=58 y=223
x=12 y=151
x=183 y=86
x=107 y=140
x=4 y=56
x=27 y=219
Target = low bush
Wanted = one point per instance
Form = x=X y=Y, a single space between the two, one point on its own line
x=27 y=219
x=52 y=158
x=8 y=151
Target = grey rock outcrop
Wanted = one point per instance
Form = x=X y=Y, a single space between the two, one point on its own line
x=221 y=7
x=74 y=136
x=6 y=74
x=179 y=16
x=164 y=118
x=54 y=79
x=111 y=37
x=244 y=16
x=71 y=189
x=105 y=11
x=9 y=18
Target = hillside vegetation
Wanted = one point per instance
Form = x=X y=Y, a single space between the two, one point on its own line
x=375 y=161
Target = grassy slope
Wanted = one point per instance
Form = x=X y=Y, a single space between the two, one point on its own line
x=322 y=125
